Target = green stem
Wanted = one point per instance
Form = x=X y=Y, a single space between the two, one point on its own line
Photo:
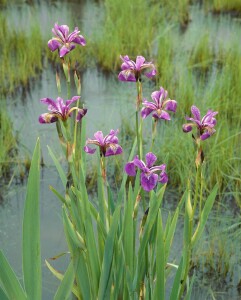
x=197 y=180
x=137 y=134
x=201 y=193
x=139 y=124
x=154 y=126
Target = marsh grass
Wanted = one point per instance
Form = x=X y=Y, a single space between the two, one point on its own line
x=129 y=29
x=216 y=256
x=21 y=56
x=219 y=6
x=8 y=144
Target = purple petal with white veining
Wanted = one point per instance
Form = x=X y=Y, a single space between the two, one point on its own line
x=145 y=112
x=79 y=40
x=151 y=73
x=63 y=51
x=139 y=62
x=130 y=168
x=53 y=44
x=89 y=150
x=114 y=150
x=205 y=135
x=163 y=177
x=171 y=105
x=150 y=159
x=196 y=113
x=99 y=137
x=126 y=75
x=187 y=127
x=148 y=182
x=81 y=113
x=47 y=118
x=140 y=164
x=165 y=115
x=74 y=99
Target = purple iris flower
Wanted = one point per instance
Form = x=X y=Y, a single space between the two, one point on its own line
x=59 y=110
x=159 y=106
x=205 y=125
x=149 y=178
x=108 y=144
x=64 y=40
x=131 y=71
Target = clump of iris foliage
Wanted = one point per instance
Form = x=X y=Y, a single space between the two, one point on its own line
x=120 y=246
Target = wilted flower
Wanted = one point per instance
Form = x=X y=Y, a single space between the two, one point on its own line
x=108 y=144
x=159 y=106
x=65 y=41
x=149 y=178
x=205 y=126
x=131 y=71
x=59 y=110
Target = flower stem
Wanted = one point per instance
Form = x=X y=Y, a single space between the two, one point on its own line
x=139 y=124
x=154 y=125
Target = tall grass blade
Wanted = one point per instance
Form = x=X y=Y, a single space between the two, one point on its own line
x=204 y=216
x=58 y=167
x=60 y=276
x=160 y=262
x=3 y=296
x=108 y=257
x=9 y=281
x=177 y=282
x=65 y=288
x=31 y=231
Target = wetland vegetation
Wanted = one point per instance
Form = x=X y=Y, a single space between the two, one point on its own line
x=196 y=48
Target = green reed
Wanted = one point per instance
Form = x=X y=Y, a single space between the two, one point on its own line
x=21 y=55
x=8 y=144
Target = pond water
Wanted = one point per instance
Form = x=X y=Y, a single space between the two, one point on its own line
x=108 y=102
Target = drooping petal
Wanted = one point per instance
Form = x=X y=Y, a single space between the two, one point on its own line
x=163 y=115
x=113 y=149
x=163 y=177
x=81 y=113
x=150 y=159
x=64 y=50
x=150 y=74
x=79 y=40
x=148 y=182
x=127 y=75
x=196 y=113
x=89 y=150
x=130 y=168
x=171 y=105
x=145 y=112
x=187 y=127
x=47 y=118
x=53 y=44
